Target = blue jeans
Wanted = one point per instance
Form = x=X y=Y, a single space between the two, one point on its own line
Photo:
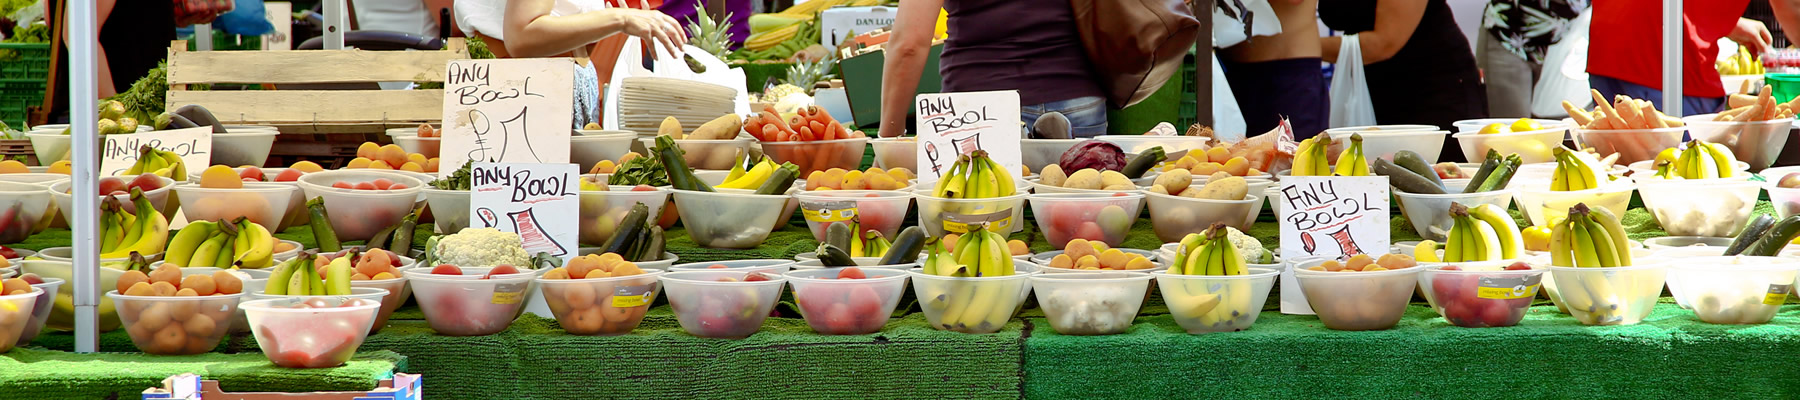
x=1690 y=105
x=1087 y=115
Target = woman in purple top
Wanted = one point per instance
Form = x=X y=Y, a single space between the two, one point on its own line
x=1026 y=45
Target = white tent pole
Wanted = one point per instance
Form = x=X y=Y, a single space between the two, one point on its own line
x=336 y=21
x=1671 y=59
x=83 y=112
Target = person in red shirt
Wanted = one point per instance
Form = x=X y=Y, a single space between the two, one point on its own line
x=1625 y=49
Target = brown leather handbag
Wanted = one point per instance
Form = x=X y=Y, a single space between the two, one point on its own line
x=1135 y=45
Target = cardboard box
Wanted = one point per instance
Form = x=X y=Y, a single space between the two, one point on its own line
x=839 y=24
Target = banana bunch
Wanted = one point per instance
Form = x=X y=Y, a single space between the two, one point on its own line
x=1483 y=233
x=1577 y=170
x=160 y=162
x=1702 y=160
x=972 y=305
x=122 y=232
x=871 y=244
x=299 y=277
x=975 y=176
x=1741 y=64
x=240 y=243
x=1210 y=253
x=752 y=179
x=1309 y=159
x=1351 y=161
x=1591 y=238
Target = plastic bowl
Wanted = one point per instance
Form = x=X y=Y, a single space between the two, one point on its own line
x=466 y=305
x=40 y=309
x=1038 y=153
x=1539 y=202
x=258 y=281
x=935 y=213
x=900 y=152
x=1674 y=256
x=1531 y=146
x=1666 y=242
x=1429 y=144
x=365 y=293
x=1757 y=143
x=1091 y=303
x=1257 y=185
x=1038 y=187
x=1173 y=217
x=1206 y=304
x=600 y=306
x=359 y=214
x=1368 y=129
x=16 y=314
x=771 y=267
x=708 y=307
x=1166 y=255
x=730 y=219
x=818 y=155
x=50 y=145
x=1043 y=260
x=1474 y=125
x=1430 y=213
x=707 y=154
x=1633 y=145
x=1357 y=301
x=62 y=315
x=1645 y=170
x=1538 y=176
x=263 y=203
x=835 y=306
x=668 y=259
x=587 y=150
x=171 y=325
x=879 y=210
x=601 y=211
x=1480 y=294
x=1097 y=217
x=1733 y=290
x=296 y=211
x=449 y=208
x=1135 y=144
x=971 y=305
x=325 y=333
x=397 y=292
x=159 y=198
x=23 y=206
x=243 y=145
x=1704 y=207
x=409 y=140
x=867 y=263
x=1609 y=296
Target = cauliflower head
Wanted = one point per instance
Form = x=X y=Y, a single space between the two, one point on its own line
x=483 y=247
x=1251 y=249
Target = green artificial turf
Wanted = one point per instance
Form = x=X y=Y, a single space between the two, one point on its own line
x=46 y=374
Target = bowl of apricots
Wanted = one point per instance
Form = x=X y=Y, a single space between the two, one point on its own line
x=372 y=155
x=1206 y=162
x=1082 y=255
x=599 y=294
x=296 y=214
x=168 y=314
x=423 y=140
x=1361 y=293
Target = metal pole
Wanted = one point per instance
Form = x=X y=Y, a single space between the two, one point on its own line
x=335 y=23
x=1203 y=53
x=83 y=112
x=1671 y=58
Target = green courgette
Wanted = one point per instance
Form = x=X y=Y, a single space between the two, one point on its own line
x=634 y=221
x=1415 y=163
x=780 y=180
x=1751 y=232
x=1487 y=167
x=1148 y=158
x=1776 y=238
x=905 y=248
x=833 y=256
x=1405 y=180
x=653 y=250
x=680 y=176
x=838 y=234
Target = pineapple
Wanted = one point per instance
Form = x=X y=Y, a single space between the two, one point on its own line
x=712 y=36
x=806 y=74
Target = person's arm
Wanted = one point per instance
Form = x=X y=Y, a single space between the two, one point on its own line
x=909 y=44
x=1787 y=14
x=1395 y=21
x=532 y=32
x=104 y=85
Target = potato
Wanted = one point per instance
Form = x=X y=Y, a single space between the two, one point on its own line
x=1113 y=178
x=1052 y=175
x=670 y=127
x=1176 y=179
x=1084 y=179
x=1228 y=188
x=1121 y=187
x=1158 y=189
x=721 y=128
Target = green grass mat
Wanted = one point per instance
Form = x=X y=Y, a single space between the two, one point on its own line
x=45 y=374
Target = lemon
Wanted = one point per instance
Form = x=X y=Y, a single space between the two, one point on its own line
x=1526 y=125
x=1494 y=128
x=1666 y=155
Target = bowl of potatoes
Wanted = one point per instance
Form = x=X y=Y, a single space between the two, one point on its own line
x=1087 y=180
x=1180 y=205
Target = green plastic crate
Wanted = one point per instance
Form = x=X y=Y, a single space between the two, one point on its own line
x=29 y=61
x=1786 y=86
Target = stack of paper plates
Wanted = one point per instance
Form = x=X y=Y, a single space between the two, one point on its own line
x=645 y=101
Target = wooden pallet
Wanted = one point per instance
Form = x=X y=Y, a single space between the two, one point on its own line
x=18 y=149
x=324 y=101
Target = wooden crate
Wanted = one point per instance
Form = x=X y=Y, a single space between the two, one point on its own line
x=18 y=149
x=318 y=118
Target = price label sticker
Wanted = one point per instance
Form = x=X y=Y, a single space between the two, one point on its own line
x=998 y=221
x=632 y=296
x=509 y=293
x=828 y=211
x=1778 y=294
x=1508 y=288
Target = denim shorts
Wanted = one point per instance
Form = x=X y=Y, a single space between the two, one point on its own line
x=1087 y=115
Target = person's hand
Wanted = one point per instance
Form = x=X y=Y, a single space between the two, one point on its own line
x=653 y=26
x=1752 y=34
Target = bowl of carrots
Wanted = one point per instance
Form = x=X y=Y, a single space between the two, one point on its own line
x=810 y=139
x=1755 y=127
x=1632 y=128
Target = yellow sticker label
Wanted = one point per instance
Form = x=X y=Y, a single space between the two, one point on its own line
x=508 y=297
x=1777 y=294
x=960 y=223
x=828 y=211
x=630 y=301
x=1507 y=288
x=1505 y=293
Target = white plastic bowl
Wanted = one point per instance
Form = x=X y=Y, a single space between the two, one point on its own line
x=311 y=337
x=972 y=305
x=159 y=198
x=817 y=155
x=1430 y=213
x=449 y=208
x=1240 y=299
x=1358 y=301
x=1096 y=217
x=766 y=266
x=40 y=309
x=359 y=214
x=706 y=154
x=1540 y=202
x=879 y=210
x=1474 y=125
x=1633 y=145
x=739 y=220
x=708 y=307
x=1478 y=295
x=596 y=307
x=601 y=211
x=933 y=212
x=1135 y=144
x=587 y=150
x=835 y=306
x=265 y=204
x=466 y=305
x=1733 y=290
x=900 y=152
x=1038 y=153
x=16 y=311
x=155 y=322
x=242 y=145
x=1532 y=146
x=1703 y=207
x=22 y=210
x=1090 y=303
x=1173 y=217
x=1757 y=143
x=1609 y=296
x=1382 y=144
x=1646 y=170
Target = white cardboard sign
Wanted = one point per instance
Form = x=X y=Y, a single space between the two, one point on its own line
x=540 y=202
x=953 y=124
x=1328 y=217
x=194 y=145
x=510 y=110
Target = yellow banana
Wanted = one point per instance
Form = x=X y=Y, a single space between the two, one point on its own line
x=1615 y=232
x=1351 y=161
x=207 y=252
x=1511 y=246
x=1721 y=158
x=259 y=246
x=752 y=179
x=182 y=246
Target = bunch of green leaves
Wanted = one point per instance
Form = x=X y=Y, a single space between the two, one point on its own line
x=146 y=97
x=458 y=180
x=645 y=170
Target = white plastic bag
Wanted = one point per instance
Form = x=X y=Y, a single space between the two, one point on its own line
x=1564 y=76
x=1229 y=21
x=1350 y=104
x=1228 y=118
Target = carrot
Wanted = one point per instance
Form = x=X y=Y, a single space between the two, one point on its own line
x=1650 y=115
x=770 y=133
x=841 y=132
x=1739 y=100
x=824 y=115
x=1767 y=101
x=1600 y=103
x=1744 y=86
x=1629 y=112
x=1580 y=116
x=771 y=118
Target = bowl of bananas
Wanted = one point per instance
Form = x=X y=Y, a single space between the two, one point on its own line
x=1216 y=303
x=1756 y=142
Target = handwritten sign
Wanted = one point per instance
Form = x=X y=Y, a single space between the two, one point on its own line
x=1329 y=217
x=194 y=145
x=540 y=202
x=512 y=110
x=953 y=124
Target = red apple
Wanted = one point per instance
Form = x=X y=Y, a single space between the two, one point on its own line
x=1790 y=181
x=501 y=270
x=446 y=269
x=343 y=185
x=31 y=279
x=755 y=277
x=251 y=174
x=110 y=184
x=289 y=175
x=146 y=182
x=851 y=273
